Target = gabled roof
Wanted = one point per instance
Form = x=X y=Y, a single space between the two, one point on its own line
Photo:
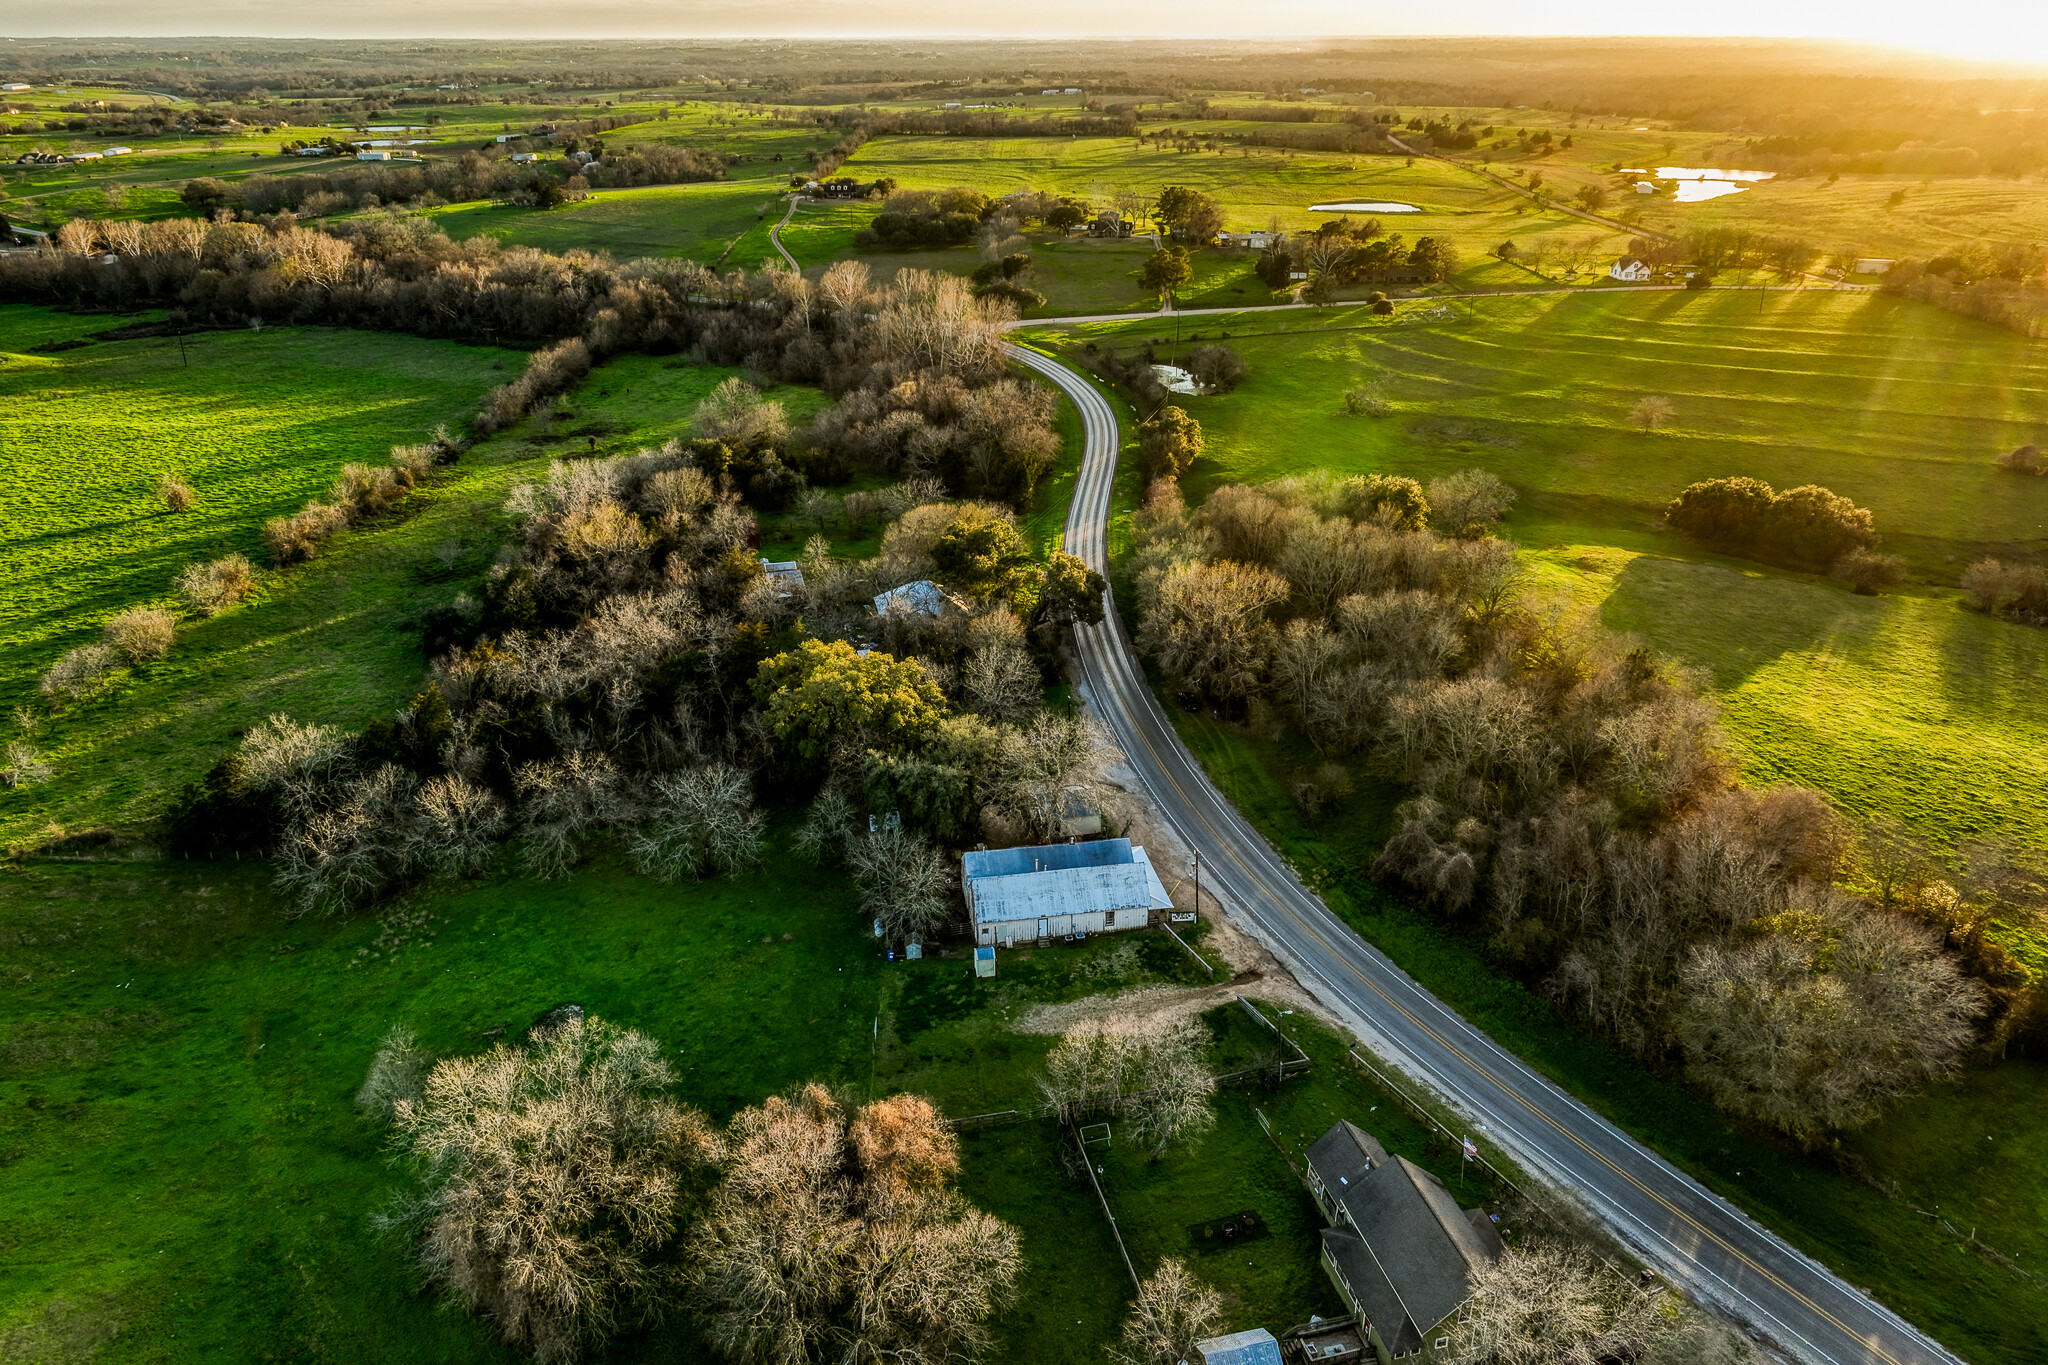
x=1013 y=884
x=1421 y=1246
x=923 y=595
x=1342 y=1157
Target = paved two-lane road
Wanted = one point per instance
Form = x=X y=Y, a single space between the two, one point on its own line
x=1695 y=1238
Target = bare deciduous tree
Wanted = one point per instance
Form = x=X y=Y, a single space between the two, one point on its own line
x=458 y=824
x=737 y=413
x=1174 y=1310
x=1467 y=504
x=1552 y=1304
x=560 y=801
x=1147 y=1072
x=174 y=493
x=835 y=1234
x=141 y=634
x=23 y=766
x=1825 y=1015
x=905 y=882
x=1209 y=626
x=553 y=1173
x=696 y=821
x=1652 y=412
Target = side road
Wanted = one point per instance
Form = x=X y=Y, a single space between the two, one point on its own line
x=1695 y=1238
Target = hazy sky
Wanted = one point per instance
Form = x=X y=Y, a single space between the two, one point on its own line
x=2012 y=30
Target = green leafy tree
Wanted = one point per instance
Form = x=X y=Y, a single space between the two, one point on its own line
x=1435 y=257
x=819 y=694
x=981 y=551
x=1390 y=499
x=1073 y=591
x=1168 y=442
x=1189 y=214
x=1166 y=270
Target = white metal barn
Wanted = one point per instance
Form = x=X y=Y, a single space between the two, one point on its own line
x=1021 y=895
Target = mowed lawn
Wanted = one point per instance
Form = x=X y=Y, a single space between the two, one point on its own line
x=1908 y=703
x=334 y=641
x=696 y=222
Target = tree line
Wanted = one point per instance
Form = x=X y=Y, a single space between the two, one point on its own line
x=1573 y=799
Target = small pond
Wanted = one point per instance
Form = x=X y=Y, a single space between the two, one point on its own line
x=1176 y=379
x=1364 y=206
x=1696 y=183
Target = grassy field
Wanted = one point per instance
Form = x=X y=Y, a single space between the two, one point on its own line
x=184 y=1158
x=257 y=422
x=334 y=640
x=1895 y=405
x=697 y=222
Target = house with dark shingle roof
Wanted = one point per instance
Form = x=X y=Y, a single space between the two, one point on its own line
x=1399 y=1249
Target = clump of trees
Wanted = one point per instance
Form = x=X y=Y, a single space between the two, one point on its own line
x=1169 y=443
x=2018 y=592
x=564 y=1196
x=1551 y=1303
x=924 y=218
x=1572 y=795
x=1808 y=527
x=835 y=1230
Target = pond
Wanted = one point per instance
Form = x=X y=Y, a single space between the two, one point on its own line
x=1176 y=379
x=1697 y=184
x=1363 y=206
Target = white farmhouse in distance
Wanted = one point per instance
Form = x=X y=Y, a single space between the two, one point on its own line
x=1028 y=895
x=1630 y=269
x=373 y=156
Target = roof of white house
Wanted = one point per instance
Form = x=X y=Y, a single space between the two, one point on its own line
x=1062 y=879
x=923 y=595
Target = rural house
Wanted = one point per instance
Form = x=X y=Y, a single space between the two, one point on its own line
x=1255 y=241
x=923 y=596
x=1058 y=890
x=1399 y=1249
x=1630 y=269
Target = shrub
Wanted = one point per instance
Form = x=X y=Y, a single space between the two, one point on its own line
x=1218 y=369
x=2028 y=459
x=1367 y=400
x=1469 y=502
x=2016 y=590
x=297 y=538
x=1867 y=571
x=174 y=492
x=362 y=490
x=397 y=1072
x=211 y=588
x=142 y=634
x=81 y=672
x=23 y=767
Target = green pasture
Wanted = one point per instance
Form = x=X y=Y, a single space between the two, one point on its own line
x=699 y=222
x=256 y=422
x=273 y=414
x=1907 y=703
x=184 y=1156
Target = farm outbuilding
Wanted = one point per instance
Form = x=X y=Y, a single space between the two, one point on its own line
x=1256 y=1346
x=924 y=597
x=1053 y=891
